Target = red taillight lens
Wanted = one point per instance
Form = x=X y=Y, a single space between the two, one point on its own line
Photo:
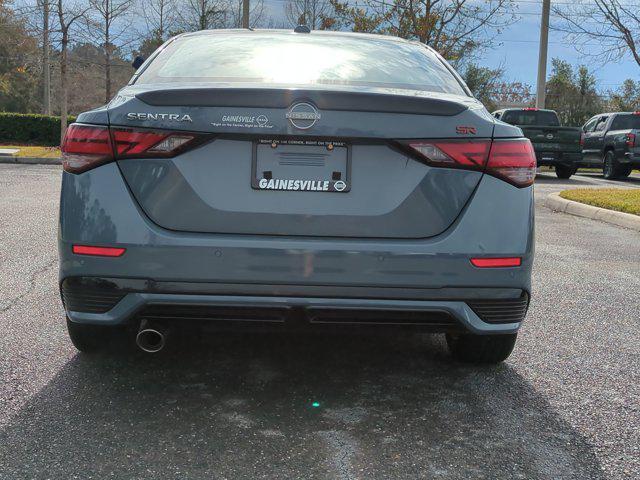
x=582 y=139
x=98 y=251
x=631 y=140
x=85 y=147
x=513 y=160
x=454 y=153
x=496 y=262
x=89 y=146
x=149 y=143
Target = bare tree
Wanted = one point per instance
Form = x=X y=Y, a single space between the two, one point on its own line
x=455 y=28
x=160 y=17
x=108 y=28
x=203 y=14
x=68 y=16
x=612 y=26
x=307 y=12
x=256 y=13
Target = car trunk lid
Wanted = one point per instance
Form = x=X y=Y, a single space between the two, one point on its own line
x=300 y=162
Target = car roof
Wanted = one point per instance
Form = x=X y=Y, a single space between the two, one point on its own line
x=282 y=31
x=313 y=33
x=609 y=114
x=531 y=109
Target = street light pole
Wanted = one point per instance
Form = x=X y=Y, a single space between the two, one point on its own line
x=542 y=58
x=245 y=13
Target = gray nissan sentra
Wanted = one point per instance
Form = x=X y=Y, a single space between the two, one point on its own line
x=296 y=180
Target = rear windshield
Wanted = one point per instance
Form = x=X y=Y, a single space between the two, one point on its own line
x=531 y=117
x=300 y=59
x=626 y=122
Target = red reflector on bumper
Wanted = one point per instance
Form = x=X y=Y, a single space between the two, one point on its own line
x=98 y=251
x=496 y=262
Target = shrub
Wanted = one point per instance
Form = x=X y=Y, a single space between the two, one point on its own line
x=30 y=129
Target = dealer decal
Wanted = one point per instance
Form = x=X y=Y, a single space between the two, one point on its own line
x=243 y=121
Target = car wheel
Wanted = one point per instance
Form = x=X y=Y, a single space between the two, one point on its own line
x=92 y=338
x=479 y=349
x=609 y=169
x=562 y=171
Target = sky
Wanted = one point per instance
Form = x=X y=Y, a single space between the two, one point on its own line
x=516 y=49
x=517 y=52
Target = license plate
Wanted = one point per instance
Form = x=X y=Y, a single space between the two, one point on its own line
x=548 y=156
x=301 y=165
x=546 y=146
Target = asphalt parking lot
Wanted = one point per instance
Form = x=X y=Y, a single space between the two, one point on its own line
x=564 y=406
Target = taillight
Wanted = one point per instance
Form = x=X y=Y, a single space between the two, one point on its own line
x=468 y=154
x=130 y=142
x=88 y=146
x=630 y=141
x=512 y=160
x=85 y=147
x=582 y=139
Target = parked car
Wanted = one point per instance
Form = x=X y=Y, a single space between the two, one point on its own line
x=610 y=143
x=296 y=180
x=555 y=146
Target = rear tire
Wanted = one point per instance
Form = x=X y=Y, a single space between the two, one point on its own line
x=481 y=349
x=610 y=168
x=564 y=172
x=92 y=338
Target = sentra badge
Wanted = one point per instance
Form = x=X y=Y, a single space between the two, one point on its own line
x=170 y=117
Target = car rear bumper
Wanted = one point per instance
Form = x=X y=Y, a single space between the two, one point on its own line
x=300 y=274
x=112 y=301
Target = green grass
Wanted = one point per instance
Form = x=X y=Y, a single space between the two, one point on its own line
x=40 y=152
x=580 y=170
x=620 y=199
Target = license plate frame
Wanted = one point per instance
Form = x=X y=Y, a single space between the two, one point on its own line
x=337 y=154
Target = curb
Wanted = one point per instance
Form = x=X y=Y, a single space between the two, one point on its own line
x=555 y=202
x=31 y=160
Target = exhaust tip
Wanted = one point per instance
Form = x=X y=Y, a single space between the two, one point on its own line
x=150 y=340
